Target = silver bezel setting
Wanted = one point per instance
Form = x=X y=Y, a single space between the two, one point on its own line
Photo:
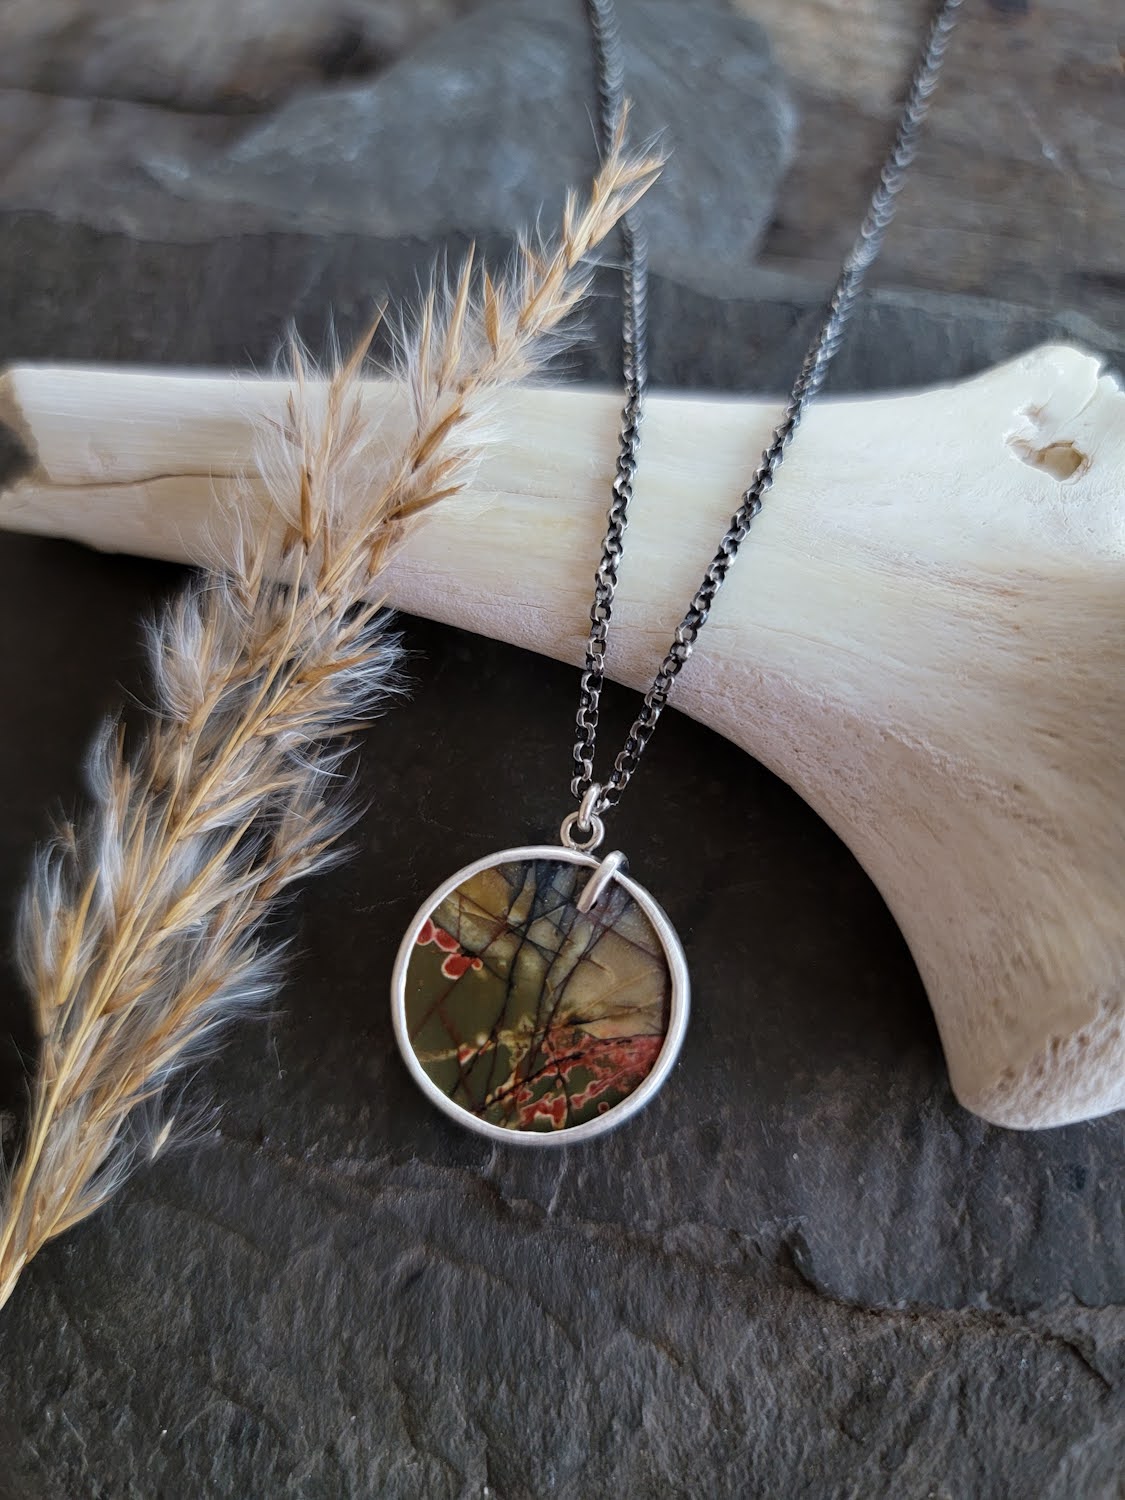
x=677 y=1015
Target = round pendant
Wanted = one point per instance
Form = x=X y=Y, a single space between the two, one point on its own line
x=528 y=1019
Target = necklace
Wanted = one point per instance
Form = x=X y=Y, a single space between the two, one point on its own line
x=541 y=995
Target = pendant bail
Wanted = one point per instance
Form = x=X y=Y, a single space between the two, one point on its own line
x=585 y=818
x=611 y=866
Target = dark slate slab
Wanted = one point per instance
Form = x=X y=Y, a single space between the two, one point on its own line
x=803 y=1271
x=480 y=128
x=72 y=291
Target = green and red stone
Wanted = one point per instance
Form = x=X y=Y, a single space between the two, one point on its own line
x=528 y=1013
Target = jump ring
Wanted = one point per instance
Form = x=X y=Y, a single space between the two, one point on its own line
x=583 y=846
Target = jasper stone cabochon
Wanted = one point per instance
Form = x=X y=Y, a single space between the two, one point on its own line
x=530 y=1014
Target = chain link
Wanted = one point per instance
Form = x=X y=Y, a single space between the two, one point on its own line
x=610 y=74
x=610 y=87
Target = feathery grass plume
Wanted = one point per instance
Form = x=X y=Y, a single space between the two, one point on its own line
x=143 y=931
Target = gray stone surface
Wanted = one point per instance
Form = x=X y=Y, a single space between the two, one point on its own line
x=69 y=291
x=507 y=92
x=506 y=129
x=199 y=54
x=1019 y=187
x=804 y=1271
x=119 y=221
x=1018 y=192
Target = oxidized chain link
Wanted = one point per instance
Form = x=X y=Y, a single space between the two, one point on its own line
x=814 y=368
x=609 y=69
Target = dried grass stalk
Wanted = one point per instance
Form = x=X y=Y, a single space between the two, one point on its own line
x=143 y=930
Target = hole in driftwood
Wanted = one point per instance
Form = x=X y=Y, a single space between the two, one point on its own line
x=1061 y=460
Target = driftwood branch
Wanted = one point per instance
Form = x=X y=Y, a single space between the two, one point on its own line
x=924 y=636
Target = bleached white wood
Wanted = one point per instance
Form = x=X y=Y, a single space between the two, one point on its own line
x=925 y=637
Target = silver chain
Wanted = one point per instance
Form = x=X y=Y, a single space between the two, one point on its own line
x=609 y=67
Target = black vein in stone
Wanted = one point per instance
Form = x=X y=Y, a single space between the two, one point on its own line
x=548 y=902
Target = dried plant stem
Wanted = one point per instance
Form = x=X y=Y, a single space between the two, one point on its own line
x=143 y=930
